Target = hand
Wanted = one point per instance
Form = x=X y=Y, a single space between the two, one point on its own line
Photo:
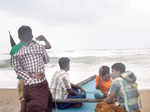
x=40 y=38
x=38 y=76
x=105 y=95
x=82 y=91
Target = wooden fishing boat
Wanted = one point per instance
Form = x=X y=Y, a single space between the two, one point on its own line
x=89 y=104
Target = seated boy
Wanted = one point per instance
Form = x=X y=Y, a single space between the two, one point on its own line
x=124 y=89
x=62 y=88
x=103 y=82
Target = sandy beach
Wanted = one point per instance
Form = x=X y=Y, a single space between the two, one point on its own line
x=10 y=103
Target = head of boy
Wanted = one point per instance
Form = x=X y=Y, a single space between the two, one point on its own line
x=25 y=34
x=64 y=63
x=117 y=69
x=104 y=72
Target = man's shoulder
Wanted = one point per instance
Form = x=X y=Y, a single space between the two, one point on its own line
x=16 y=48
x=60 y=74
x=117 y=81
x=35 y=44
x=64 y=74
x=115 y=86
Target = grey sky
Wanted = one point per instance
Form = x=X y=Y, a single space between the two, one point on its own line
x=79 y=24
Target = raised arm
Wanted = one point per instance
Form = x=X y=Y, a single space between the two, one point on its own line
x=42 y=38
x=42 y=50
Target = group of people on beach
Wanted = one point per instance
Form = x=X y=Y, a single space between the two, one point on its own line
x=28 y=59
x=119 y=88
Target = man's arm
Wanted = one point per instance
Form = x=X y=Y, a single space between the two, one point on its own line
x=44 y=54
x=15 y=63
x=109 y=99
x=78 y=87
x=70 y=91
x=113 y=92
x=67 y=85
x=47 y=44
x=98 y=82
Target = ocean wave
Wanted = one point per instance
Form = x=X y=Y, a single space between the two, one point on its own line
x=90 y=56
x=5 y=63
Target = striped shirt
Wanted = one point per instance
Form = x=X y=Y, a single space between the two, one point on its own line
x=126 y=92
x=30 y=60
x=59 y=85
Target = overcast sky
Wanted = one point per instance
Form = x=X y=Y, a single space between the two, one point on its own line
x=79 y=24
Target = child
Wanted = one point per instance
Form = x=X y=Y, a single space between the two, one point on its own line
x=103 y=82
x=62 y=88
x=124 y=89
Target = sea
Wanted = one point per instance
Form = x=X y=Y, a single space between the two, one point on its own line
x=85 y=63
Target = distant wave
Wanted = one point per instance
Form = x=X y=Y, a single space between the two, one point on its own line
x=5 y=63
x=54 y=60
x=85 y=56
x=98 y=52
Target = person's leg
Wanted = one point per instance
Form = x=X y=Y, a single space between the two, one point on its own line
x=21 y=89
x=21 y=95
x=68 y=105
x=63 y=105
x=37 y=97
x=98 y=94
x=50 y=103
x=80 y=95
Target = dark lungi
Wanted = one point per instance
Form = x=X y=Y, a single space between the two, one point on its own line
x=38 y=98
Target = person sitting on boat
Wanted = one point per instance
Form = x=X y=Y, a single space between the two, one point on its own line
x=103 y=82
x=124 y=89
x=62 y=88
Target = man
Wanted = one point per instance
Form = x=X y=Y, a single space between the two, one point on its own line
x=124 y=89
x=103 y=82
x=14 y=50
x=28 y=61
x=61 y=87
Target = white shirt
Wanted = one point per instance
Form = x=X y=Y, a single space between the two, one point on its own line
x=59 y=85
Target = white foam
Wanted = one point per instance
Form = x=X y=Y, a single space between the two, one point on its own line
x=136 y=60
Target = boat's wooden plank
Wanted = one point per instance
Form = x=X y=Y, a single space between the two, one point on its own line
x=78 y=100
x=86 y=80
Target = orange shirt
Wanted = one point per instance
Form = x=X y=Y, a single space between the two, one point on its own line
x=104 y=86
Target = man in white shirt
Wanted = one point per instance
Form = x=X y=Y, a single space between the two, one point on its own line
x=62 y=88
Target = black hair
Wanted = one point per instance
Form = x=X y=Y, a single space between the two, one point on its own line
x=25 y=34
x=119 y=67
x=64 y=62
x=106 y=70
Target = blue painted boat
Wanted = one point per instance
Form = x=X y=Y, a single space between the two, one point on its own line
x=89 y=86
